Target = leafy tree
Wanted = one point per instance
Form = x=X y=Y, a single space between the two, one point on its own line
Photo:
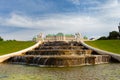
x=12 y=40
x=114 y=35
x=103 y=38
x=1 y=39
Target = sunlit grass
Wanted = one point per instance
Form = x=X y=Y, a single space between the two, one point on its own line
x=13 y=46
x=108 y=45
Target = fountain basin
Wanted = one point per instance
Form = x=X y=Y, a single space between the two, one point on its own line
x=58 y=61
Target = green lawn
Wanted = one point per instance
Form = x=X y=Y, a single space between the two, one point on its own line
x=108 y=45
x=13 y=46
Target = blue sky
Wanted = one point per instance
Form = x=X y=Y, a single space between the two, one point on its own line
x=23 y=19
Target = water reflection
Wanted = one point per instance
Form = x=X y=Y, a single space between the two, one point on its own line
x=96 y=72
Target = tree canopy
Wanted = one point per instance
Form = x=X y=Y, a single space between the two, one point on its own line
x=112 y=35
x=103 y=38
x=1 y=39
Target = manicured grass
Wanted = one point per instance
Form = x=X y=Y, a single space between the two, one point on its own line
x=13 y=46
x=108 y=45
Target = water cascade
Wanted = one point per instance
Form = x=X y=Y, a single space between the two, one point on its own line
x=59 y=54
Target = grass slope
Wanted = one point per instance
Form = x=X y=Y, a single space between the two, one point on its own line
x=13 y=46
x=108 y=45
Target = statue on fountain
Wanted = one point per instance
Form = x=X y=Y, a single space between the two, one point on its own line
x=39 y=37
x=78 y=36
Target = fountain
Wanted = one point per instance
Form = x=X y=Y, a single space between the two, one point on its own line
x=59 y=54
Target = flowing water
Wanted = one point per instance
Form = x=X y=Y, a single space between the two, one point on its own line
x=93 y=72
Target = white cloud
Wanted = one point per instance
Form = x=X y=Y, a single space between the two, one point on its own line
x=93 y=25
x=112 y=9
x=60 y=22
x=76 y=2
x=18 y=21
x=21 y=35
x=107 y=4
x=88 y=25
x=110 y=4
x=85 y=2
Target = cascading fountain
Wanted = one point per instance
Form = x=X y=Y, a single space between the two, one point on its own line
x=59 y=54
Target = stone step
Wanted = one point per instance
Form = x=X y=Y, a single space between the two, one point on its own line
x=58 y=52
x=60 y=47
x=59 y=60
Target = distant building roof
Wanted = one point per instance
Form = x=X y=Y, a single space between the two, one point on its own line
x=50 y=35
x=69 y=35
x=59 y=34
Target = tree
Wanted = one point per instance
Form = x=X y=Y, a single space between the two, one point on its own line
x=85 y=37
x=114 y=35
x=103 y=38
x=1 y=39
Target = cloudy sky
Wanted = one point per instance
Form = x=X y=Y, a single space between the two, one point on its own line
x=23 y=19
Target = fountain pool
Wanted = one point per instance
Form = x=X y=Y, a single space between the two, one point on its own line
x=93 y=72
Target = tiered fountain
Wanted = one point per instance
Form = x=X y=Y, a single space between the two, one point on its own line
x=59 y=54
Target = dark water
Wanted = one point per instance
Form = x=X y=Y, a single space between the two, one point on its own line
x=96 y=72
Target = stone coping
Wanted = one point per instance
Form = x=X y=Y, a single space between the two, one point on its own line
x=103 y=52
x=7 y=56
